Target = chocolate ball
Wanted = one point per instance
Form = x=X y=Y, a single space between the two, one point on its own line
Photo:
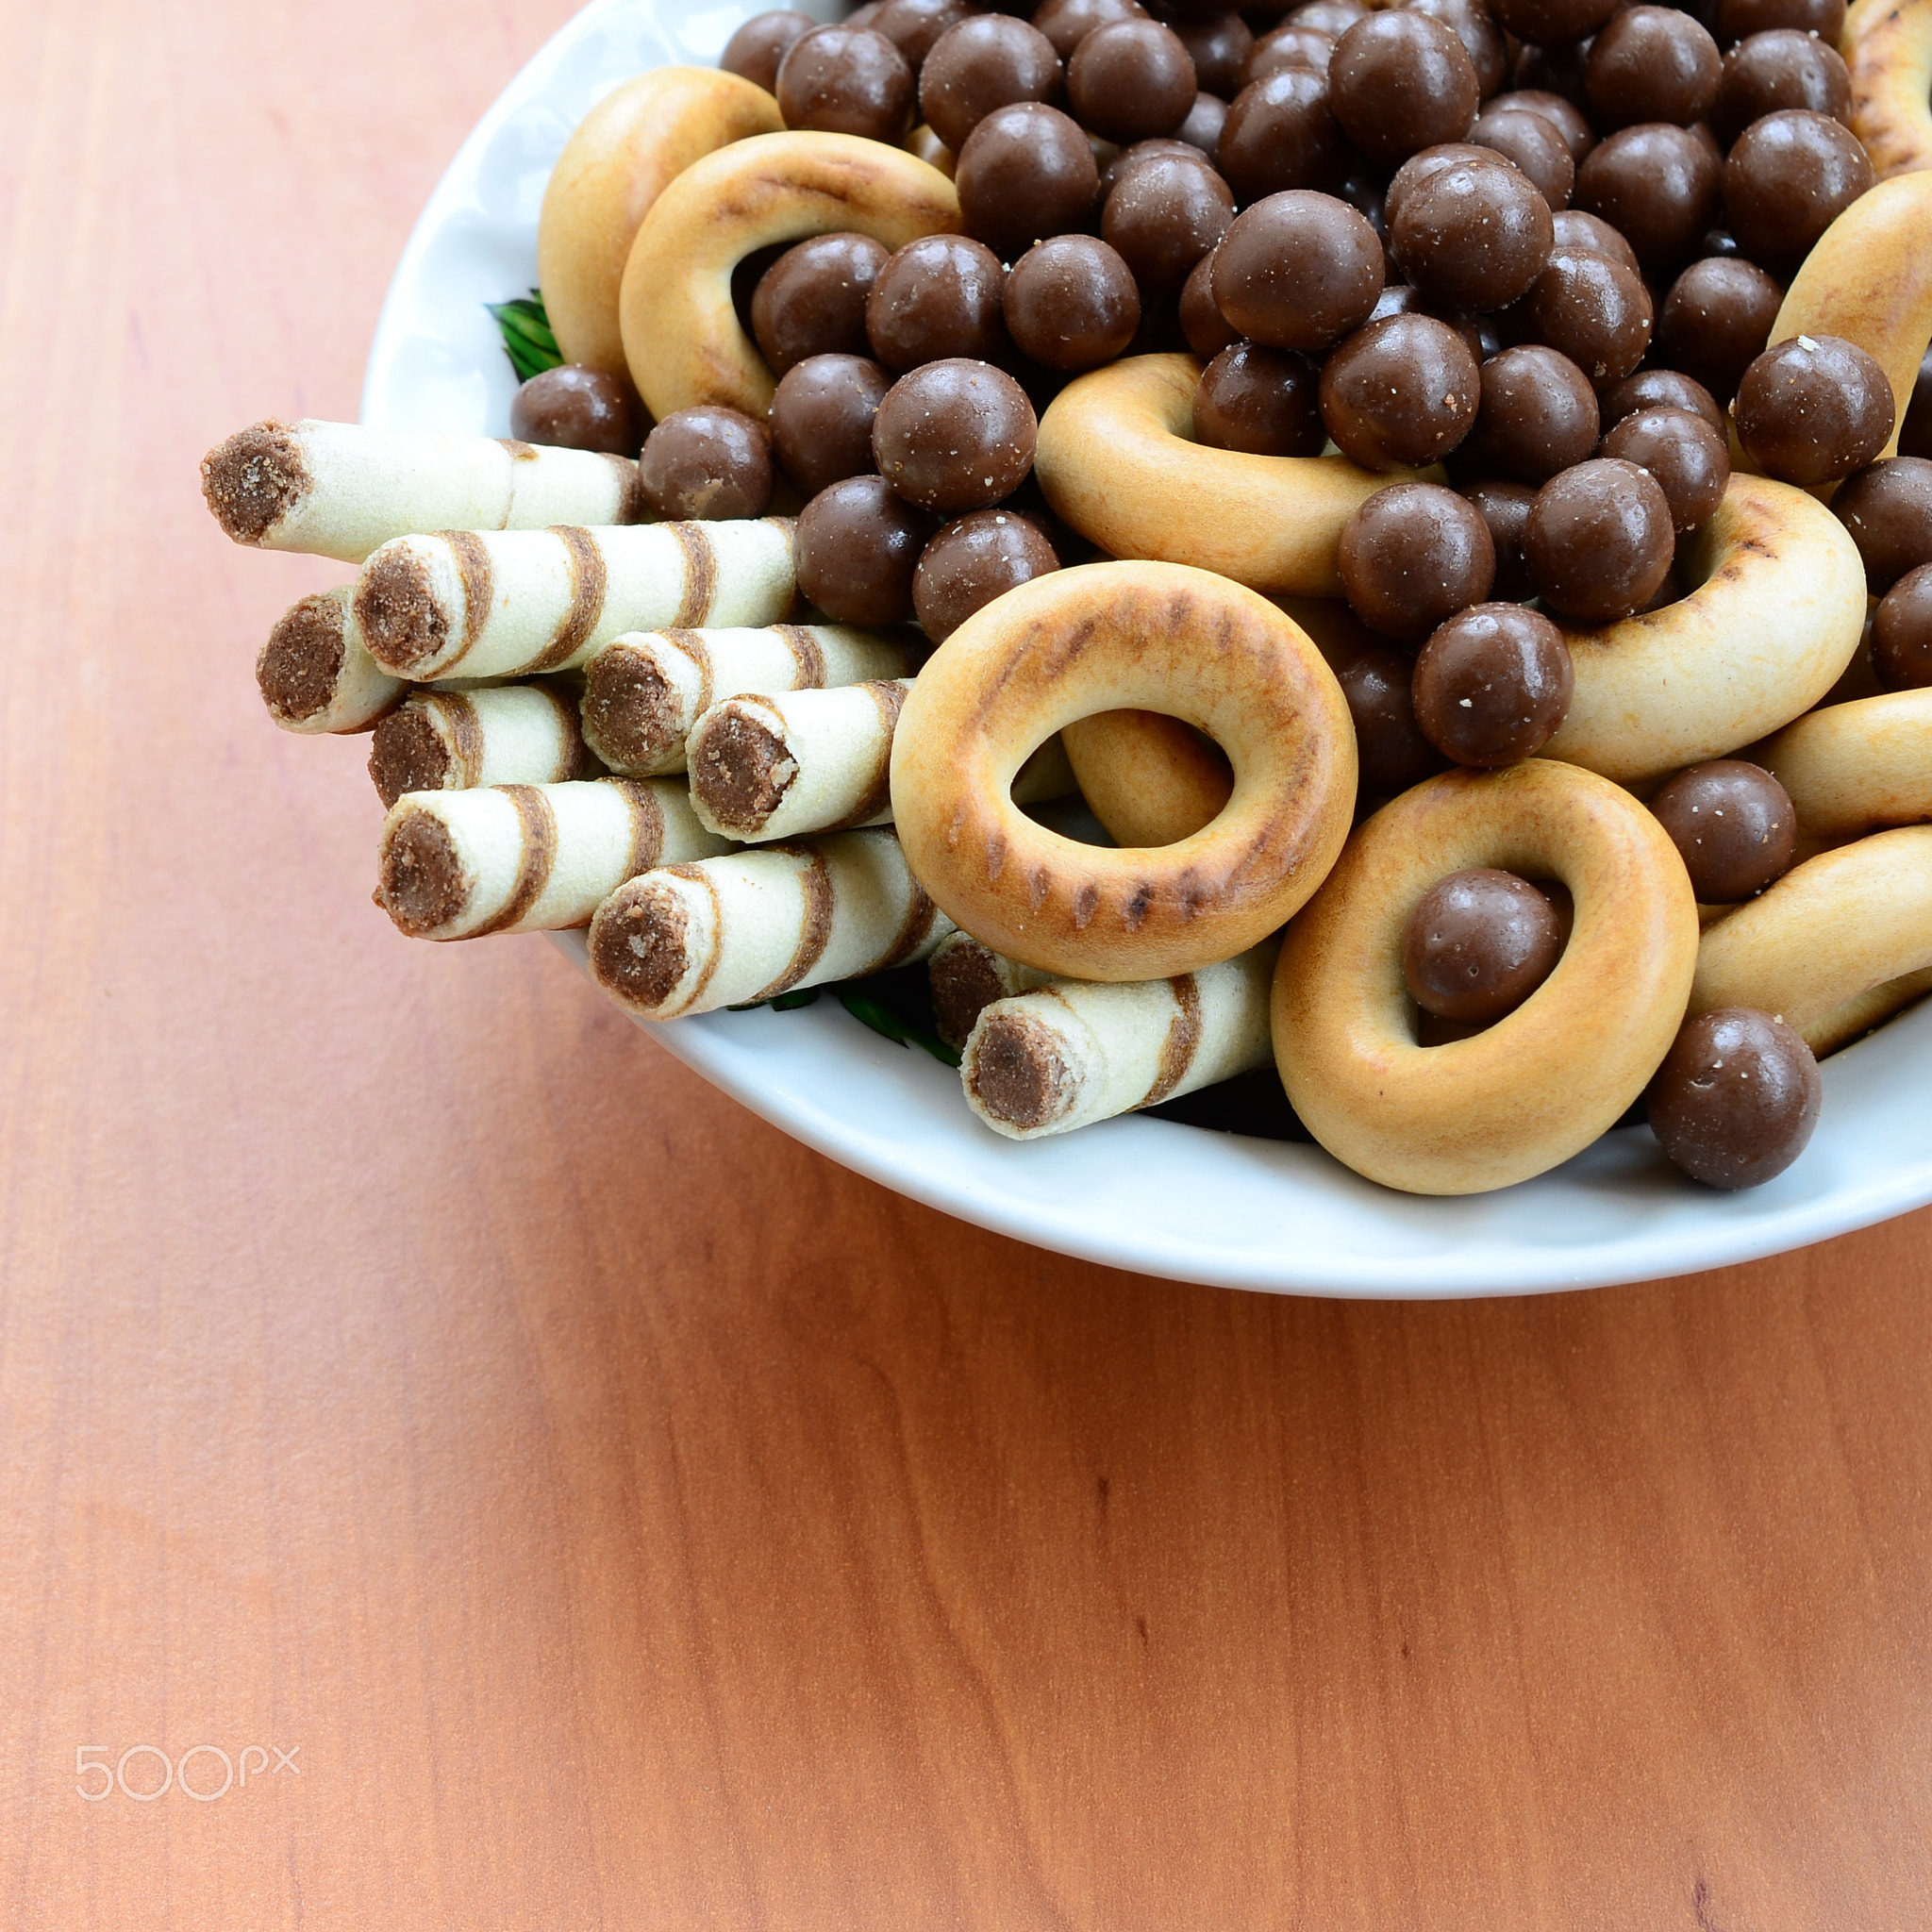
x=955 y=436
x=1067 y=23
x=1131 y=80
x=1660 y=389
x=1202 y=322
x=1537 y=416
x=1553 y=23
x=1163 y=217
x=1553 y=68
x=1734 y=826
x=846 y=80
x=914 y=26
x=936 y=298
x=1813 y=410
x=856 y=548
x=1288 y=45
x=1202 y=130
x=1398 y=298
x=1658 y=186
x=1492 y=684
x=1691 y=461
x=1331 y=17
x=1298 y=271
x=811 y=301
x=1575 y=229
x=1474 y=26
x=1531 y=143
x=989 y=61
x=574 y=408
x=1739 y=19
x=755 y=49
x=822 y=416
x=1790 y=176
x=1887 y=508
x=1599 y=541
x=972 y=560
x=1025 y=172
x=1591 y=309
x=1781 y=69
x=1400 y=392
x=1902 y=633
x=1479 y=944
x=1560 y=111
x=1071 y=303
x=1279 y=135
x=1477 y=232
x=1219 y=45
x=1411 y=556
x=1505 y=507
x=1399 y=82
x=1265 y=402
x=1716 y=321
x=1736 y=1099
x=1391 y=750
x=1652 y=63
x=1162 y=147
x=708 y=464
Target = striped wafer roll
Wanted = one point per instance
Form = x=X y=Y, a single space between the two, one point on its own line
x=965 y=976
x=450 y=740
x=643 y=692
x=1071 y=1052
x=765 y=767
x=339 y=490
x=689 y=939
x=455 y=865
x=499 y=603
x=315 y=672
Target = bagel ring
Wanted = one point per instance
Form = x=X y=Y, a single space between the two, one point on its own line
x=1857 y=767
x=625 y=153
x=1106 y=637
x=1771 y=626
x=1118 y=461
x=1835 y=946
x=1887 y=45
x=1543 y=1082
x=681 y=335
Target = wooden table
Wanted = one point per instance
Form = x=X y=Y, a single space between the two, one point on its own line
x=561 y=1501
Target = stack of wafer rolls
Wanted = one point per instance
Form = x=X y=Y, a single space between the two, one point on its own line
x=964 y=976
x=731 y=931
x=515 y=734
x=504 y=604
x=315 y=672
x=456 y=865
x=339 y=490
x=643 y=692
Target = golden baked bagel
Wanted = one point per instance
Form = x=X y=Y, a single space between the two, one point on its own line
x=625 y=153
x=1887 y=45
x=1776 y=615
x=1542 y=1083
x=1108 y=636
x=1118 y=461
x=681 y=335
x=1837 y=945
x=1857 y=767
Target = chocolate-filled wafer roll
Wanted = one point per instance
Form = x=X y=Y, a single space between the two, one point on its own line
x=450 y=740
x=455 y=865
x=689 y=939
x=339 y=490
x=965 y=976
x=1071 y=1052
x=501 y=602
x=315 y=672
x=642 y=694
x=766 y=768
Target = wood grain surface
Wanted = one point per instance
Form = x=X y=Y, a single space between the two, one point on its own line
x=573 y=1504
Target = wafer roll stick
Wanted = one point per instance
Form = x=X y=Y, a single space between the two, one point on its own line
x=448 y=741
x=498 y=603
x=965 y=976
x=766 y=768
x=455 y=865
x=643 y=692
x=315 y=672
x=689 y=939
x=1074 y=1052
x=339 y=490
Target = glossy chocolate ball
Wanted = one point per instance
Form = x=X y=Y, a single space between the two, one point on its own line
x=1773 y=70
x=1492 y=684
x=1332 y=17
x=846 y=80
x=989 y=61
x=1025 y=172
x=1071 y=303
x=575 y=407
x=1553 y=23
x=1656 y=184
x=1813 y=410
x=1505 y=507
x=1398 y=298
x=1575 y=229
x=858 y=545
x=1163 y=217
x=1483 y=41
x=1202 y=128
x=938 y=298
x=1560 y=111
x=1411 y=556
x=1162 y=147
x=1131 y=80
x=1400 y=392
x=1475 y=231
x=1591 y=309
x=822 y=416
x=1391 y=750
x=755 y=49
x=1736 y=1098
x=811 y=301
x=1734 y=826
x=1739 y=19
x=1691 y=461
x=1400 y=81
x=1887 y=508
x=1479 y=944
x=1298 y=271
x=1660 y=389
x=1652 y=63
x=1553 y=69
x=972 y=560
x=708 y=463
x=914 y=26
x=1902 y=633
x=1202 y=322
x=1067 y=23
x=1537 y=416
x=1531 y=143
x=1716 y=321
x=1288 y=45
x=1264 y=402
x=955 y=436
x=1219 y=45
x=1790 y=176
x=1280 y=134
x=1599 y=541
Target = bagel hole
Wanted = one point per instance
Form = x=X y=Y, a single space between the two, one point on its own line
x=745 y=278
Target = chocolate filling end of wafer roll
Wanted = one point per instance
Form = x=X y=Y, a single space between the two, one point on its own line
x=422 y=885
x=639 y=943
x=1018 y=1076
x=631 y=711
x=254 y=479
x=963 y=981
x=743 y=769
x=298 y=667
x=407 y=753
x=402 y=619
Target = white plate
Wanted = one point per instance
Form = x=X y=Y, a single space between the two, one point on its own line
x=1143 y=1194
